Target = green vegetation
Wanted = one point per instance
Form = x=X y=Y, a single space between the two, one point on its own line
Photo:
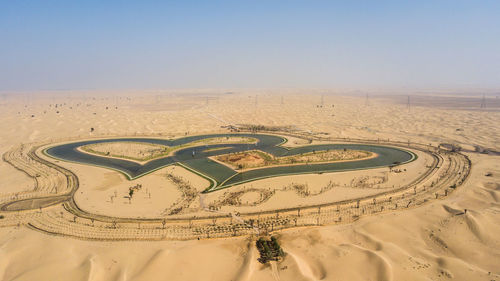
x=269 y=250
x=256 y=128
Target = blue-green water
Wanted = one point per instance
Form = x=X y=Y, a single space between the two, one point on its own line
x=196 y=158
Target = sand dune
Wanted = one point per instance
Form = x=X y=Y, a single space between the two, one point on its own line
x=436 y=241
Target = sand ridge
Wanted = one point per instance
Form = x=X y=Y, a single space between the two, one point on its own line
x=444 y=244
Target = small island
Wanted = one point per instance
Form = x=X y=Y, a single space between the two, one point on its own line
x=258 y=159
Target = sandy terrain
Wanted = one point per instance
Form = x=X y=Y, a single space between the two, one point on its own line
x=127 y=150
x=143 y=152
x=435 y=241
x=255 y=159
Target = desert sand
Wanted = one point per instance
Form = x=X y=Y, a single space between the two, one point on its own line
x=437 y=240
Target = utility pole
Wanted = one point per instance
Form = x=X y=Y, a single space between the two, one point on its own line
x=483 y=102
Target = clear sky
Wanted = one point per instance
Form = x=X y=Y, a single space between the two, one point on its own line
x=47 y=45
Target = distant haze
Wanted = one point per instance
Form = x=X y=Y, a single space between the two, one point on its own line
x=50 y=45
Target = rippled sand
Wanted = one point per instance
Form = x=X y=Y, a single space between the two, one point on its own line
x=433 y=242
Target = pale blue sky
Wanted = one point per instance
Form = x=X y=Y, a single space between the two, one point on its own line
x=249 y=44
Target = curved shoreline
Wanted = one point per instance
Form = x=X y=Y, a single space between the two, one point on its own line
x=372 y=155
x=448 y=171
x=198 y=159
x=169 y=152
